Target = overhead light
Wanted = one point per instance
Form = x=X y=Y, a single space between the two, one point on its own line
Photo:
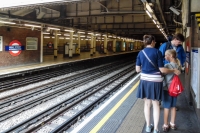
x=46 y=36
x=46 y=33
x=154 y=21
x=69 y=30
x=66 y=35
x=7 y=22
x=31 y=25
x=57 y=34
x=15 y=3
x=81 y=32
x=174 y=10
x=51 y=28
x=158 y=26
x=149 y=13
x=90 y=33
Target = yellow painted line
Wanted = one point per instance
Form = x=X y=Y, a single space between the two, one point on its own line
x=112 y=111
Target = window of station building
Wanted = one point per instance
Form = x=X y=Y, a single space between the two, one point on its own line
x=1 y=43
x=31 y=43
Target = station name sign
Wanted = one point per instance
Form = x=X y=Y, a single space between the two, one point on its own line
x=14 y=48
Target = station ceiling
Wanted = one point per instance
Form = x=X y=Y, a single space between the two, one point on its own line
x=125 y=18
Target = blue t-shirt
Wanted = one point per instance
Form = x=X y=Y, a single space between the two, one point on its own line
x=154 y=55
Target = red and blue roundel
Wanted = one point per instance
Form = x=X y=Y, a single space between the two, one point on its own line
x=14 y=48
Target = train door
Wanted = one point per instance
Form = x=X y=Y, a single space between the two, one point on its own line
x=118 y=46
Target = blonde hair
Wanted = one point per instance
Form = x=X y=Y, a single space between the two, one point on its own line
x=174 y=55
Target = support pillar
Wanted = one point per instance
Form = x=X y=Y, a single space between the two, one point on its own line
x=94 y=48
x=105 y=44
x=91 y=45
x=55 y=47
x=114 y=45
x=79 y=43
x=70 y=45
x=41 y=46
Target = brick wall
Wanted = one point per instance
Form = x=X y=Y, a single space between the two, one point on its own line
x=27 y=56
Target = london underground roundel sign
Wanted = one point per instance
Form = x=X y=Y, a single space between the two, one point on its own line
x=15 y=48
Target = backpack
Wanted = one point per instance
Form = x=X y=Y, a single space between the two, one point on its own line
x=175 y=87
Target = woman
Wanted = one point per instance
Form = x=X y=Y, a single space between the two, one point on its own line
x=151 y=81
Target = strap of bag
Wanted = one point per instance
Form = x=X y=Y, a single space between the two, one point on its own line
x=168 y=45
x=151 y=62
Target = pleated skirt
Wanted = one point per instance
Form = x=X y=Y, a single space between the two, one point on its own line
x=150 y=90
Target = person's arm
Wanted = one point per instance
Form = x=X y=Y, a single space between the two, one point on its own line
x=166 y=71
x=138 y=69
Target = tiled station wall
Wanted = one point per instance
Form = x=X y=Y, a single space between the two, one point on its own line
x=27 y=56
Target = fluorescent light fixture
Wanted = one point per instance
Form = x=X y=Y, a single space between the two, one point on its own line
x=57 y=34
x=69 y=30
x=90 y=33
x=61 y=38
x=66 y=35
x=154 y=21
x=46 y=36
x=31 y=25
x=158 y=26
x=46 y=33
x=11 y=3
x=67 y=38
x=51 y=28
x=97 y=34
x=7 y=22
x=81 y=32
x=149 y=13
x=82 y=36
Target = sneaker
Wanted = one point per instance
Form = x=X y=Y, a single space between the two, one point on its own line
x=172 y=126
x=165 y=128
x=156 y=131
x=149 y=128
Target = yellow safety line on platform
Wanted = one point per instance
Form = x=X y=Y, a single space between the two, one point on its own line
x=112 y=111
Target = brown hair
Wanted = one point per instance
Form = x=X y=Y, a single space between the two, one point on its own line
x=148 y=39
x=179 y=37
x=174 y=55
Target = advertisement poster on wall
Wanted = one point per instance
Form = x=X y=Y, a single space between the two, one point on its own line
x=1 y=42
x=195 y=74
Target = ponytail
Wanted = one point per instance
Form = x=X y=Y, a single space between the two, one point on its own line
x=179 y=63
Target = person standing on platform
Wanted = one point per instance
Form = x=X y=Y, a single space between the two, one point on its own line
x=175 y=43
x=151 y=81
x=169 y=102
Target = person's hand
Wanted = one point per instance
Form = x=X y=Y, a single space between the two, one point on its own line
x=177 y=72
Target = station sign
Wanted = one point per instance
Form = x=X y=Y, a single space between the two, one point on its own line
x=14 y=48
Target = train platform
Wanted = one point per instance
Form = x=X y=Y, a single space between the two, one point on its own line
x=49 y=61
x=124 y=114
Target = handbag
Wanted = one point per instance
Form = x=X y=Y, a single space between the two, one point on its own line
x=153 y=64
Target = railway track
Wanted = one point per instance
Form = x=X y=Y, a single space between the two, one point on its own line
x=97 y=91
x=53 y=90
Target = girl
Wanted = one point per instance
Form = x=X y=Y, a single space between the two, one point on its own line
x=169 y=102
